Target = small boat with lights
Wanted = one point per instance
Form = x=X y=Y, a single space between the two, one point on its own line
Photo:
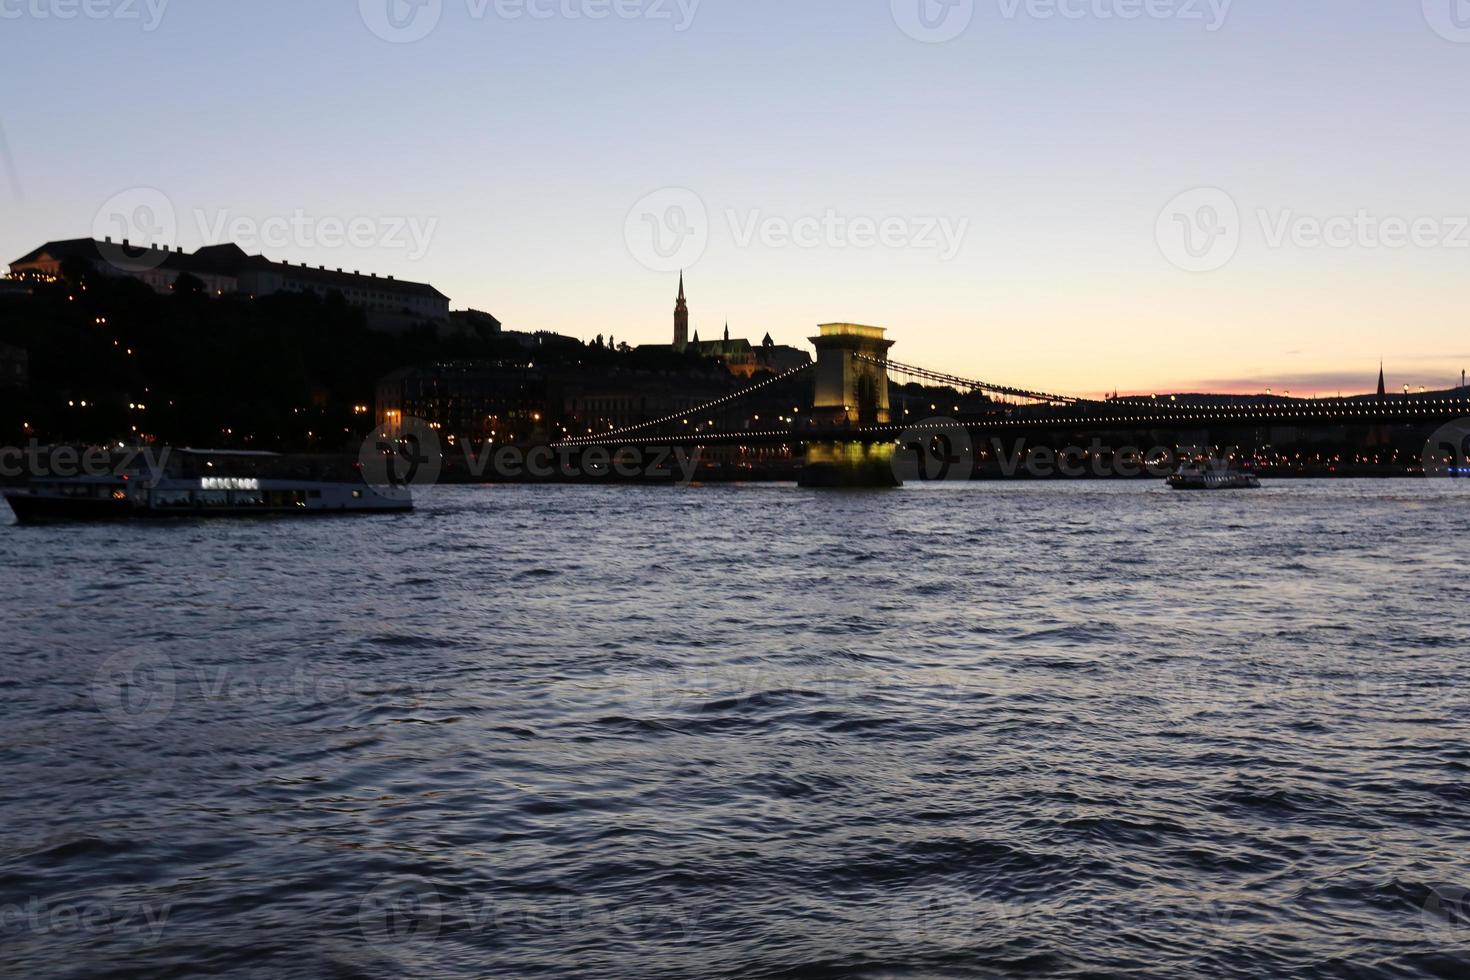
x=195 y=485
x=1212 y=475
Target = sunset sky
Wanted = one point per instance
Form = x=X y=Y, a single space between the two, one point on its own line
x=1034 y=175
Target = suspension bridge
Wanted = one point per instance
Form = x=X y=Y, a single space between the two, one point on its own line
x=842 y=417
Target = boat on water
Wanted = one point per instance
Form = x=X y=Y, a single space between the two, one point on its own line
x=204 y=484
x=1212 y=475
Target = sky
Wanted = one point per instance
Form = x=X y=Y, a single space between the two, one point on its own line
x=1067 y=195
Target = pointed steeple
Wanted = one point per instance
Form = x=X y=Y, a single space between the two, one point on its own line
x=1382 y=386
x=681 y=319
x=727 y=331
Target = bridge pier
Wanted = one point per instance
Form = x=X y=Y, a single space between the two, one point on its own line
x=850 y=392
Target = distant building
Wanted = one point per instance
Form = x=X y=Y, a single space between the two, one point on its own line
x=471 y=399
x=739 y=357
x=227 y=269
x=14 y=367
x=598 y=403
x=475 y=323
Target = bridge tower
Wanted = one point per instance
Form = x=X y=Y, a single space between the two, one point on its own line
x=851 y=392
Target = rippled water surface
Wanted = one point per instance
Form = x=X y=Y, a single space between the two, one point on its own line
x=979 y=730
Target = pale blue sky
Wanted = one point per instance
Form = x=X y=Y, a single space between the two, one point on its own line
x=517 y=147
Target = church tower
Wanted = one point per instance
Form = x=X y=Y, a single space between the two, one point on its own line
x=681 y=319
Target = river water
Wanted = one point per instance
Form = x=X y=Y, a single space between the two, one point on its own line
x=747 y=731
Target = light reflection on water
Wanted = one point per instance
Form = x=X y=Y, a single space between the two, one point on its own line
x=747 y=731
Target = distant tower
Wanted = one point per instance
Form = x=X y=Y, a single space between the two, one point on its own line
x=681 y=319
x=1382 y=387
x=727 y=331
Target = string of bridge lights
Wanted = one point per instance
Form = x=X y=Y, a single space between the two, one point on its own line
x=604 y=437
x=1171 y=412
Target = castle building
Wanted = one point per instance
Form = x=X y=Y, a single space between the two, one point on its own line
x=227 y=269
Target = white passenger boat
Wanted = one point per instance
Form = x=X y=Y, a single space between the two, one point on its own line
x=1212 y=475
x=137 y=493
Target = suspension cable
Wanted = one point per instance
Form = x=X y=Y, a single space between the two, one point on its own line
x=956 y=381
x=603 y=437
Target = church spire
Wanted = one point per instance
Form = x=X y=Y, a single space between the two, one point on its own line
x=1382 y=386
x=681 y=319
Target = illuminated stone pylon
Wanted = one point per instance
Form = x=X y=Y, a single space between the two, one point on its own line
x=851 y=393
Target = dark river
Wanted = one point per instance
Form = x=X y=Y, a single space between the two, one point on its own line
x=961 y=730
